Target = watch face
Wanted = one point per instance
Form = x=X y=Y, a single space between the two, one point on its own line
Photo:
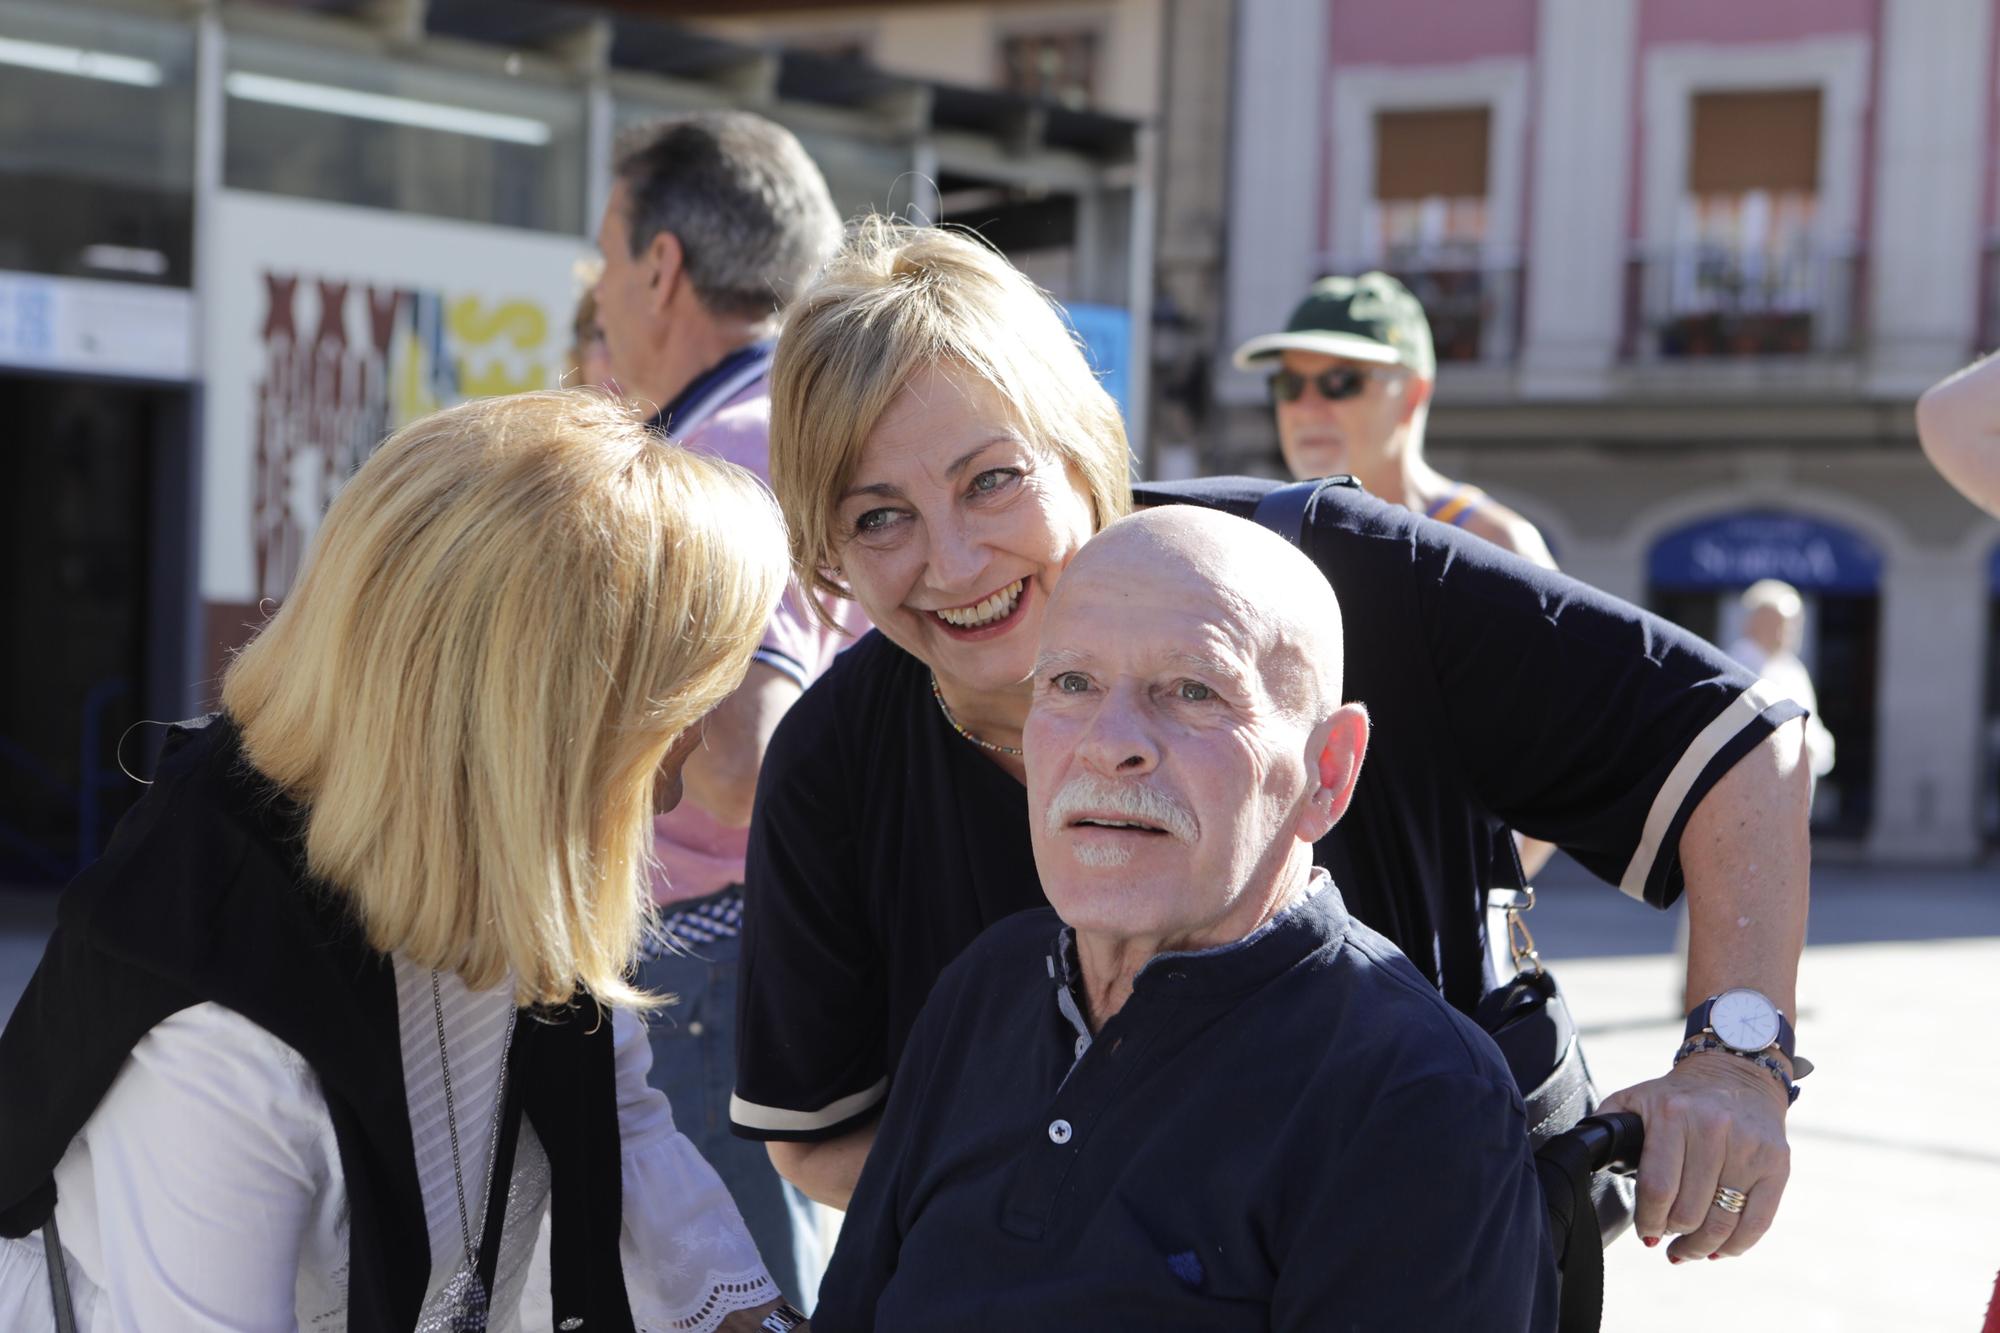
x=1744 y=1020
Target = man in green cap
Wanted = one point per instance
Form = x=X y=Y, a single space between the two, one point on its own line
x=1351 y=380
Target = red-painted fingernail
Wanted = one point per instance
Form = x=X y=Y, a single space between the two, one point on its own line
x=1673 y=1259
x=1650 y=1241
x=1716 y=1255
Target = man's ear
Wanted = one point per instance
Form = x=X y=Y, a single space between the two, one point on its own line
x=1334 y=754
x=1416 y=393
x=664 y=265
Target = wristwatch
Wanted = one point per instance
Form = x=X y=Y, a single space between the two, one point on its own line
x=782 y=1320
x=1745 y=1022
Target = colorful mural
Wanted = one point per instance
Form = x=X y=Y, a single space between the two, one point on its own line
x=326 y=397
x=326 y=329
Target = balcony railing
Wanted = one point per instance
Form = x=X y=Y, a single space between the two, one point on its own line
x=1700 y=302
x=1474 y=312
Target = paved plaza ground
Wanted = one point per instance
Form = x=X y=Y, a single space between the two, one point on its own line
x=1892 y=1220
x=1891 y=1223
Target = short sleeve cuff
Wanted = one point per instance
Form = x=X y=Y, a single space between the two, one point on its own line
x=1653 y=874
x=751 y=1121
x=786 y=666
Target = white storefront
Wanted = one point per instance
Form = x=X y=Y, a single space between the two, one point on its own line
x=240 y=244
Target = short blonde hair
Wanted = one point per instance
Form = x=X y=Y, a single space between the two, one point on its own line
x=895 y=300
x=508 y=616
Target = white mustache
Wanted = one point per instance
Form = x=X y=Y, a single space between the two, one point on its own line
x=1117 y=800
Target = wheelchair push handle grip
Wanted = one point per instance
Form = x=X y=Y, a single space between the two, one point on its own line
x=1611 y=1141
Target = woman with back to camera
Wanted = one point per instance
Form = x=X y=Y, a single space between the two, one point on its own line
x=941 y=449
x=340 y=1022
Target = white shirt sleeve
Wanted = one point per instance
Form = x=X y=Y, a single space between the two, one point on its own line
x=688 y=1259
x=206 y=1165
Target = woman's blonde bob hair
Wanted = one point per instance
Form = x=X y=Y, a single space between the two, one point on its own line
x=510 y=613
x=895 y=300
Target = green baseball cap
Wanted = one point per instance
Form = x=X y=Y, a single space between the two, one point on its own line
x=1369 y=318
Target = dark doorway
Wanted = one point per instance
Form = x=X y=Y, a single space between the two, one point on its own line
x=91 y=591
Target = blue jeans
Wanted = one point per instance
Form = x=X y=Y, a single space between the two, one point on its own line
x=694 y=1063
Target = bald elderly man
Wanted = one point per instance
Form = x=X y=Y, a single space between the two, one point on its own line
x=1196 y=1094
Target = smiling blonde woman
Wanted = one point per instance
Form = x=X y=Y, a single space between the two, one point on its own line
x=344 y=1006
x=942 y=449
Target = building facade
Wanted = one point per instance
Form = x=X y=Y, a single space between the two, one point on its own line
x=1688 y=264
x=241 y=242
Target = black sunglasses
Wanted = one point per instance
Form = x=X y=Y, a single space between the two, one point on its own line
x=1333 y=385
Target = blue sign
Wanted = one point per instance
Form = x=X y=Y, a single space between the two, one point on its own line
x=1738 y=549
x=1106 y=331
x=27 y=320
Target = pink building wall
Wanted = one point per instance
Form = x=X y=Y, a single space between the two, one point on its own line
x=1428 y=32
x=1731 y=21
x=1412 y=32
x=1737 y=23
x=1443 y=32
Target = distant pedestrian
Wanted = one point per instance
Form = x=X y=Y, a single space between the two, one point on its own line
x=1773 y=625
x=1351 y=380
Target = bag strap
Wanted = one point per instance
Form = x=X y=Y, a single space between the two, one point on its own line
x=1565 y=1170
x=59 y=1297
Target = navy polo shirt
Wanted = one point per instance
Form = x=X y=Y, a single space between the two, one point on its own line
x=1291 y=1132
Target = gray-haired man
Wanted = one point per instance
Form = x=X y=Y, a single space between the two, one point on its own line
x=714 y=223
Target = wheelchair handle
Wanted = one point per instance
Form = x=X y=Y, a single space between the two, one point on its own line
x=1611 y=1141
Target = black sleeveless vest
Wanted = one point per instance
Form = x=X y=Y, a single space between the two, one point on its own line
x=203 y=895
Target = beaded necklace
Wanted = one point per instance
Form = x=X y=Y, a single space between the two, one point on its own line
x=945 y=708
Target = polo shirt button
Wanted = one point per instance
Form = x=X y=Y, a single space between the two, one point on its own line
x=1059 y=1132
x=1082 y=1045
x=694 y=1028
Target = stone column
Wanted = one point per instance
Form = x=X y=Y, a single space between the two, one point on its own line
x=1933 y=109
x=1576 y=248
x=1275 y=204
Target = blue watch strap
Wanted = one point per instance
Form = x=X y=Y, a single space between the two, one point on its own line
x=1697 y=1023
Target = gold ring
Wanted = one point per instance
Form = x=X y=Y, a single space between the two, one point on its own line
x=1731 y=1201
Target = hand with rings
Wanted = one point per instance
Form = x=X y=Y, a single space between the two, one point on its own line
x=1716 y=1159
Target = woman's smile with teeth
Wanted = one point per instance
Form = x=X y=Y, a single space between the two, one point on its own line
x=997 y=607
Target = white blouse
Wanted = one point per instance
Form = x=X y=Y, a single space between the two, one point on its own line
x=205 y=1191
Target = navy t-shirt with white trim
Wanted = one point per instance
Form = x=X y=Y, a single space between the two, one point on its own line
x=1501 y=694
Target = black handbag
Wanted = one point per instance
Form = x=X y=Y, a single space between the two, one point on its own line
x=1529 y=1020
x=1527 y=1017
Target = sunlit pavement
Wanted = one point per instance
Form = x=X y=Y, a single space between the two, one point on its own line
x=1892 y=1218
x=1891 y=1221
